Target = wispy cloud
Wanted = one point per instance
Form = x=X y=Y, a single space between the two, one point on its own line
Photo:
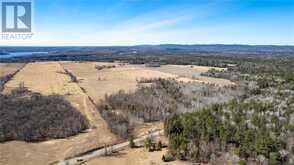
x=130 y=22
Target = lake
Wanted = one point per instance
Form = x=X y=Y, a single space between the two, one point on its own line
x=21 y=54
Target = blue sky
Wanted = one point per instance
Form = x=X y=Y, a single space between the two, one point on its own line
x=132 y=22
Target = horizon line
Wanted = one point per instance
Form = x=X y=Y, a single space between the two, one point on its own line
x=215 y=44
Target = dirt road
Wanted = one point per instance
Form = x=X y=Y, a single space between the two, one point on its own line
x=104 y=151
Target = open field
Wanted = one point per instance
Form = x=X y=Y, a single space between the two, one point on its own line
x=9 y=68
x=48 y=78
x=188 y=72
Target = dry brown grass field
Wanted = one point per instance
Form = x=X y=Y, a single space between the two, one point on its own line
x=9 y=68
x=188 y=72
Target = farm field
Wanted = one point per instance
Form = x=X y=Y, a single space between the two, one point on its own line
x=187 y=72
x=50 y=78
x=9 y=68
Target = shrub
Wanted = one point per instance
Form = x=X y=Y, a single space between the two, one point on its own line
x=168 y=157
x=148 y=144
x=242 y=162
x=132 y=143
x=159 y=145
x=101 y=67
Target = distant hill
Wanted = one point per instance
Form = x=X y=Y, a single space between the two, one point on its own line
x=213 y=47
x=110 y=53
x=221 y=47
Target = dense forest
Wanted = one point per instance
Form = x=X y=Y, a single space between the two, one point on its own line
x=257 y=128
x=29 y=116
x=251 y=129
